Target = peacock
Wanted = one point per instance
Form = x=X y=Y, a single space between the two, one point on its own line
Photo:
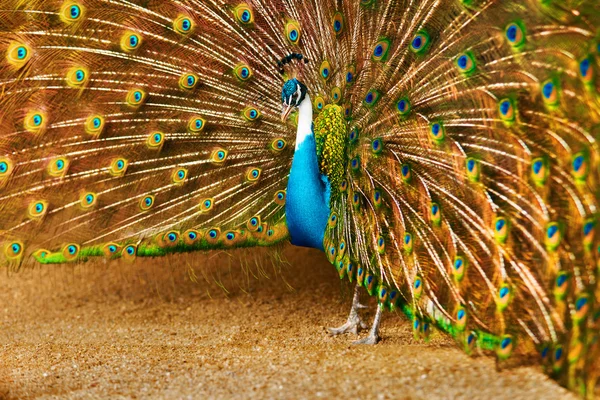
x=443 y=154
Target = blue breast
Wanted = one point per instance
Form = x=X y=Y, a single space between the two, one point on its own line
x=307 y=200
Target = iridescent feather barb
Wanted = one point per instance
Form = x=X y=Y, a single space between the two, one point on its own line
x=452 y=169
x=129 y=134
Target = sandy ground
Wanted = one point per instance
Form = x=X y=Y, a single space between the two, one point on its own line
x=156 y=329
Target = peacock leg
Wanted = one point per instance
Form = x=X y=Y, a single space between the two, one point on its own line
x=373 y=337
x=355 y=322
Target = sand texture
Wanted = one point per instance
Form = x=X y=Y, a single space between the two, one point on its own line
x=157 y=329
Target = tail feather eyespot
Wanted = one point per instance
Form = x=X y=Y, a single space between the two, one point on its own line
x=336 y=95
x=420 y=42
x=473 y=167
x=170 y=239
x=501 y=229
x=380 y=244
x=147 y=202
x=207 y=204
x=6 y=168
x=71 y=251
x=94 y=125
x=77 y=77
x=196 y=124
x=553 y=236
x=319 y=103
x=155 y=140
x=540 y=171
x=280 y=197
x=515 y=34
x=561 y=285
x=111 y=249
x=403 y=106
x=179 y=175
x=293 y=32
x=507 y=111
x=243 y=14
x=337 y=23
x=131 y=41
x=129 y=252
x=88 y=200
x=377 y=198
x=219 y=155
x=437 y=132
x=350 y=75
x=58 y=167
x=41 y=255
x=184 y=25
x=278 y=145
x=37 y=209
x=251 y=114
x=341 y=267
x=135 y=98
x=580 y=166
x=341 y=251
x=460 y=318
x=253 y=223
x=253 y=174
x=505 y=347
x=383 y=294
x=35 y=121
x=18 y=54
x=213 y=235
x=504 y=297
x=406 y=173
x=325 y=70
x=582 y=307
x=459 y=267
x=435 y=214
x=118 y=167
x=417 y=287
x=370 y=283
x=188 y=81
x=550 y=93
x=589 y=233
x=71 y=12
x=333 y=220
x=587 y=70
x=381 y=50
x=466 y=63
x=14 y=250
x=243 y=72
x=191 y=236
x=407 y=243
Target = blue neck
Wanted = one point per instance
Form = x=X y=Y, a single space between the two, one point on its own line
x=307 y=199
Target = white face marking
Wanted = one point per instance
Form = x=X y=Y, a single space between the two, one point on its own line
x=298 y=92
x=288 y=101
x=305 y=115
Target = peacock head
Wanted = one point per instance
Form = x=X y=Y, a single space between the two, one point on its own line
x=292 y=94
x=293 y=91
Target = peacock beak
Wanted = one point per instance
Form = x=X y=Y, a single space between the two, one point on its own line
x=285 y=113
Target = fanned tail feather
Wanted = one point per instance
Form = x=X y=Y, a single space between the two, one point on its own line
x=138 y=129
x=472 y=189
x=468 y=194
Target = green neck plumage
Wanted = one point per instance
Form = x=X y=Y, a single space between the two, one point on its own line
x=330 y=136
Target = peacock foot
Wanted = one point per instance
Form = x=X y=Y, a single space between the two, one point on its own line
x=355 y=323
x=373 y=337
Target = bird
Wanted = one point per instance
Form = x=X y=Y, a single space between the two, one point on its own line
x=443 y=154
